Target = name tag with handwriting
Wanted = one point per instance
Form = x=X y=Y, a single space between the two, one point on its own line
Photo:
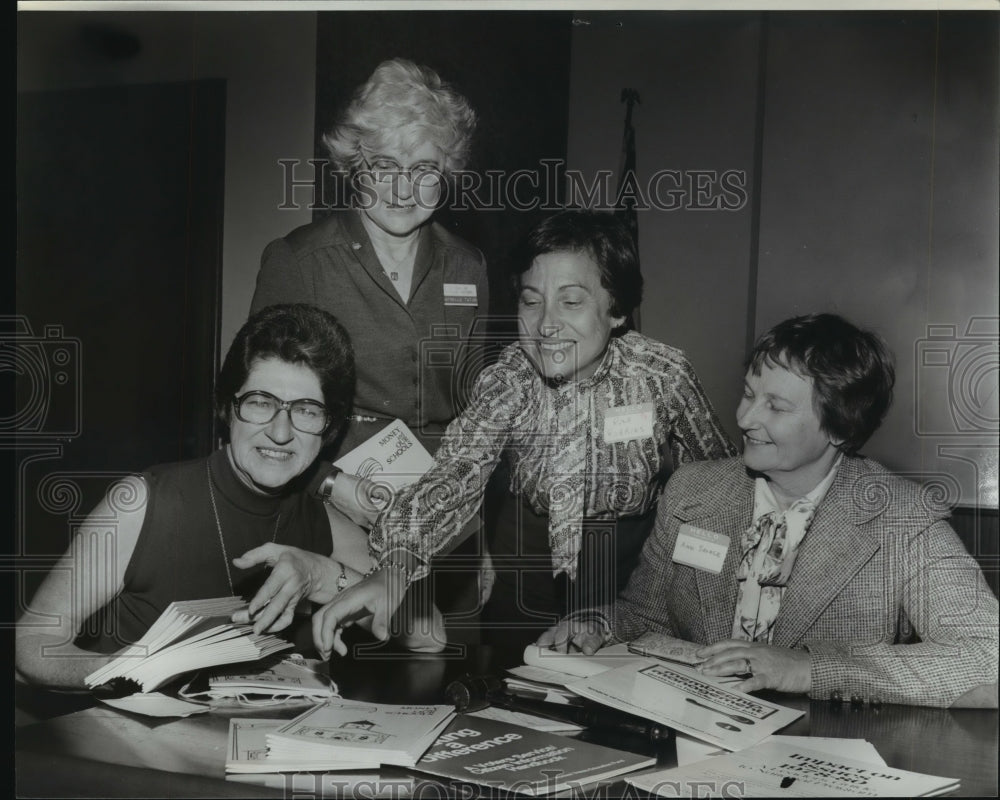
x=460 y=294
x=701 y=549
x=625 y=423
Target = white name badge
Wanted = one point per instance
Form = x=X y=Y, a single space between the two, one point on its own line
x=625 y=423
x=701 y=549
x=460 y=294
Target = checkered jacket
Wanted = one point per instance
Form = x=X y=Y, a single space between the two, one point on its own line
x=883 y=594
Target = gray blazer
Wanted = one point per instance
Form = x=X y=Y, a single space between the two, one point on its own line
x=883 y=594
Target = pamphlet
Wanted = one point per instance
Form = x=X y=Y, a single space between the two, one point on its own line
x=777 y=768
x=247 y=751
x=393 y=457
x=346 y=730
x=578 y=664
x=687 y=701
x=517 y=759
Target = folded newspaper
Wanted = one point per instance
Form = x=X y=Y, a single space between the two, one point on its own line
x=188 y=635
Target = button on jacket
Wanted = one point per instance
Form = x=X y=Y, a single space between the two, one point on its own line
x=414 y=360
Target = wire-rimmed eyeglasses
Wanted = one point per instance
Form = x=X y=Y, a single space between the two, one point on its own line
x=385 y=170
x=259 y=408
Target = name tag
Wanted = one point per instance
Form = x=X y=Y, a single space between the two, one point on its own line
x=625 y=423
x=701 y=549
x=460 y=294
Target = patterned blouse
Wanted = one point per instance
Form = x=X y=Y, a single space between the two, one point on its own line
x=598 y=448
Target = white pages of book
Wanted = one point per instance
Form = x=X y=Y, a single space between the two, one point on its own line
x=342 y=730
x=188 y=635
x=786 y=769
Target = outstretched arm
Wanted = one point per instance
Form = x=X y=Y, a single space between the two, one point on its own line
x=87 y=577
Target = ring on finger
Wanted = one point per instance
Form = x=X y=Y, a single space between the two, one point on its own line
x=747 y=667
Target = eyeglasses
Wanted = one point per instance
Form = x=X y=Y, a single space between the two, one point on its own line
x=259 y=408
x=386 y=170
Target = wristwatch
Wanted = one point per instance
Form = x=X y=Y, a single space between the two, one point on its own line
x=342 y=580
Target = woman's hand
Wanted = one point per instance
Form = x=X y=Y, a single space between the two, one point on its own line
x=360 y=499
x=379 y=594
x=296 y=575
x=765 y=666
x=575 y=635
x=487 y=577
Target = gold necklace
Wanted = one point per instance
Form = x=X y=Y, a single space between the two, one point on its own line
x=218 y=527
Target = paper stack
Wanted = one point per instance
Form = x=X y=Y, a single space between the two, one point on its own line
x=340 y=731
x=776 y=768
x=188 y=635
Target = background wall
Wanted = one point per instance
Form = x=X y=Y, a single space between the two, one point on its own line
x=870 y=144
x=268 y=61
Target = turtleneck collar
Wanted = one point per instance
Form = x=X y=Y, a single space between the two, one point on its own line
x=228 y=484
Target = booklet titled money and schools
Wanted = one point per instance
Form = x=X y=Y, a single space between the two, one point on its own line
x=393 y=456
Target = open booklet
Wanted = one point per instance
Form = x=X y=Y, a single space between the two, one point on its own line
x=274 y=680
x=393 y=456
x=787 y=768
x=188 y=635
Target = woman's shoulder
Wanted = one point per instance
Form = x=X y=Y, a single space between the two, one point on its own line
x=641 y=354
x=876 y=492
x=330 y=231
x=456 y=245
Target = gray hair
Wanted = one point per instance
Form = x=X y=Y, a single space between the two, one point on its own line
x=399 y=99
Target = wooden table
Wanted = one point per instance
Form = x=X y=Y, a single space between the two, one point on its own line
x=100 y=752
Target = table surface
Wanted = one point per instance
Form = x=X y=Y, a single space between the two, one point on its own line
x=101 y=752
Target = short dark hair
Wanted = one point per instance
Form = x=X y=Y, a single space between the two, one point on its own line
x=605 y=238
x=299 y=334
x=851 y=369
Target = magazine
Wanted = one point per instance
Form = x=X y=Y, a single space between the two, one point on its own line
x=669 y=648
x=188 y=635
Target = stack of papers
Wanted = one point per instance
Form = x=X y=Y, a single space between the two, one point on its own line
x=345 y=731
x=777 y=768
x=188 y=635
x=247 y=752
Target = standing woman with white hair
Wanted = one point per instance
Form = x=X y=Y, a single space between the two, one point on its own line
x=392 y=276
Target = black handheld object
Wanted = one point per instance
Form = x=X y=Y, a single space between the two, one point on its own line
x=476 y=692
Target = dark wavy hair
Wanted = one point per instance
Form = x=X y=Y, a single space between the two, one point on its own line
x=299 y=334
x=851 y=369
x=603 y=236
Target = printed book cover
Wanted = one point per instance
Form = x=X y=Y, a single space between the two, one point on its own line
x=516 y=759
x=247 y=752
x=786 y=769
x=342 y=730
x=393 y=456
